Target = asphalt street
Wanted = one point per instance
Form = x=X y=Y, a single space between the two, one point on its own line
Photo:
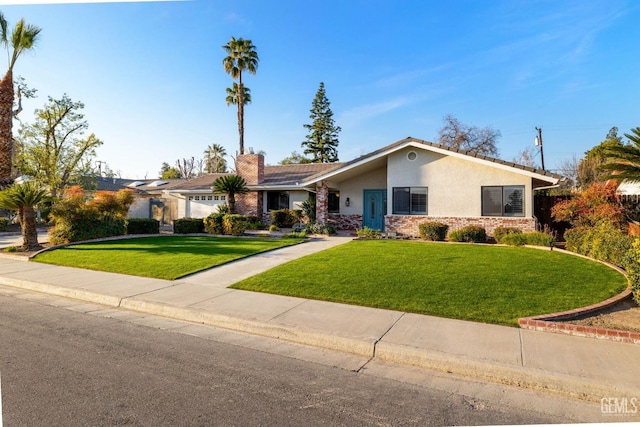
x=87 y=365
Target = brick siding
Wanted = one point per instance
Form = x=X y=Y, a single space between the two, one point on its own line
x=345 y=222
x=408 y=224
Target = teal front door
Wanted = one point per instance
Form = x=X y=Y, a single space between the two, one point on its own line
x=375 y=207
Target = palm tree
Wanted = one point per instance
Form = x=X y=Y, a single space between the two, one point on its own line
x=23 y=198
x=623 y=161
x=241 y=56
x=214 y=159
x=22 y=38
x=231 y=185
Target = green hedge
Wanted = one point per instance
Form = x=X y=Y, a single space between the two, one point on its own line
x=470 y=233
x=536 y=238
x=4 y=223
x=500 y=232
x=604 y=242
x=433 y=230
x=81 y=230
x=632 y=266
x=188 y=225
x=143 y=226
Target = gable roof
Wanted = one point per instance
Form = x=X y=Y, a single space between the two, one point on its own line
x=540 y=175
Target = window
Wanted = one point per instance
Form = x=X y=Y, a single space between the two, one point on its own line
x=216 y=197
x=334 y=202
x=277 y=200
x=503 y=200
x=410 y=200
x=223 y=198
x=209 y=197
x=197 y=197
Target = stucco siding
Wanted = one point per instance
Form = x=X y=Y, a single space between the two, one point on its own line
x=139 y=208
x=353 y=189
x=296 y=198
x=454 y=184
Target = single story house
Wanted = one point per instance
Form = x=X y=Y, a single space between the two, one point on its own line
x=392 y=189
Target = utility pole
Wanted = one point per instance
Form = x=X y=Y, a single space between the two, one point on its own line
x=99 y=163
x=538 y=142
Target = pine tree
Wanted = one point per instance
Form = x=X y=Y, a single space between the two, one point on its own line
x=322 y=141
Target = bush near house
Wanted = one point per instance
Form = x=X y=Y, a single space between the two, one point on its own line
x=470 y=233
x=234 y=225
x=433 y=230
x=188 y=225
x=535 y=238
x=500 y=232
x=320 y=228
x=368 y=233
x=4 y=223
x=255 y=223
x=143 y=226
x=285 y=218
x=213 y=223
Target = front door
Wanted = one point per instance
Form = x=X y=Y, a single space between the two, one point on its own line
x=375 y=207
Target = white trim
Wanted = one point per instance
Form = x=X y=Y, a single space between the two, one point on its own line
x=443 y=151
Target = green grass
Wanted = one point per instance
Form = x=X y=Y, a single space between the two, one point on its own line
x=166 y=257
x=483 y=283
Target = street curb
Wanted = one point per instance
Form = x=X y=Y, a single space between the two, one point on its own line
x=287 y=333
x=523 y=377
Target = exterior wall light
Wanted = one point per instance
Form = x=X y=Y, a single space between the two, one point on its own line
x=347 y=202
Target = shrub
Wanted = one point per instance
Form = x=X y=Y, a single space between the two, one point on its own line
x=513 y=239
x=536 y=238
x=632 y=266
x=80 y=218
x=80 y=230
x=309 y=209
x=213 y=223
x=433 y=230
x=234 y=224
x=470 y=233
x=273 y=227
x=143 y=226
x=11 y=249
x=188 y=225
x=4 y=223
x=254 y=223
x=500 y=232
x=320 y=228
x=604 y=242
x=368 y=233
x=285 y=218
x=295 y=235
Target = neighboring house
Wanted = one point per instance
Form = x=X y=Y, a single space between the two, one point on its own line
x=393 y=189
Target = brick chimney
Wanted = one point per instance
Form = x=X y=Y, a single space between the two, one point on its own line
x=251 y=168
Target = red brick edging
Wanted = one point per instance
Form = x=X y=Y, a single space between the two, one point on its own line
x=548 y=323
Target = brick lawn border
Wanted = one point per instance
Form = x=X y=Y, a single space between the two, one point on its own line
x=556 y=322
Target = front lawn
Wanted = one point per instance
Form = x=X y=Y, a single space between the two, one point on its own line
x=162 y=257
x=485 y=283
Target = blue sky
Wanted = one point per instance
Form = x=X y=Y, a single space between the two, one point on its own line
x=151 y=77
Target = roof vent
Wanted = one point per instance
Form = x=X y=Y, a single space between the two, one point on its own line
x=135 y=184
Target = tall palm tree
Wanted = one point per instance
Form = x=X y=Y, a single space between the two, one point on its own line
x=23 y=198
x=241 y=56
x=233 y=96
x=22 y=38
x=230 y=185
x=214 y=159
x=623 y=161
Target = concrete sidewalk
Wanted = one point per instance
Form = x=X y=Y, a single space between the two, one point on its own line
x=580 y=367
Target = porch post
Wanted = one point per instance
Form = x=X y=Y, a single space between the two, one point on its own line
x=322 y=202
